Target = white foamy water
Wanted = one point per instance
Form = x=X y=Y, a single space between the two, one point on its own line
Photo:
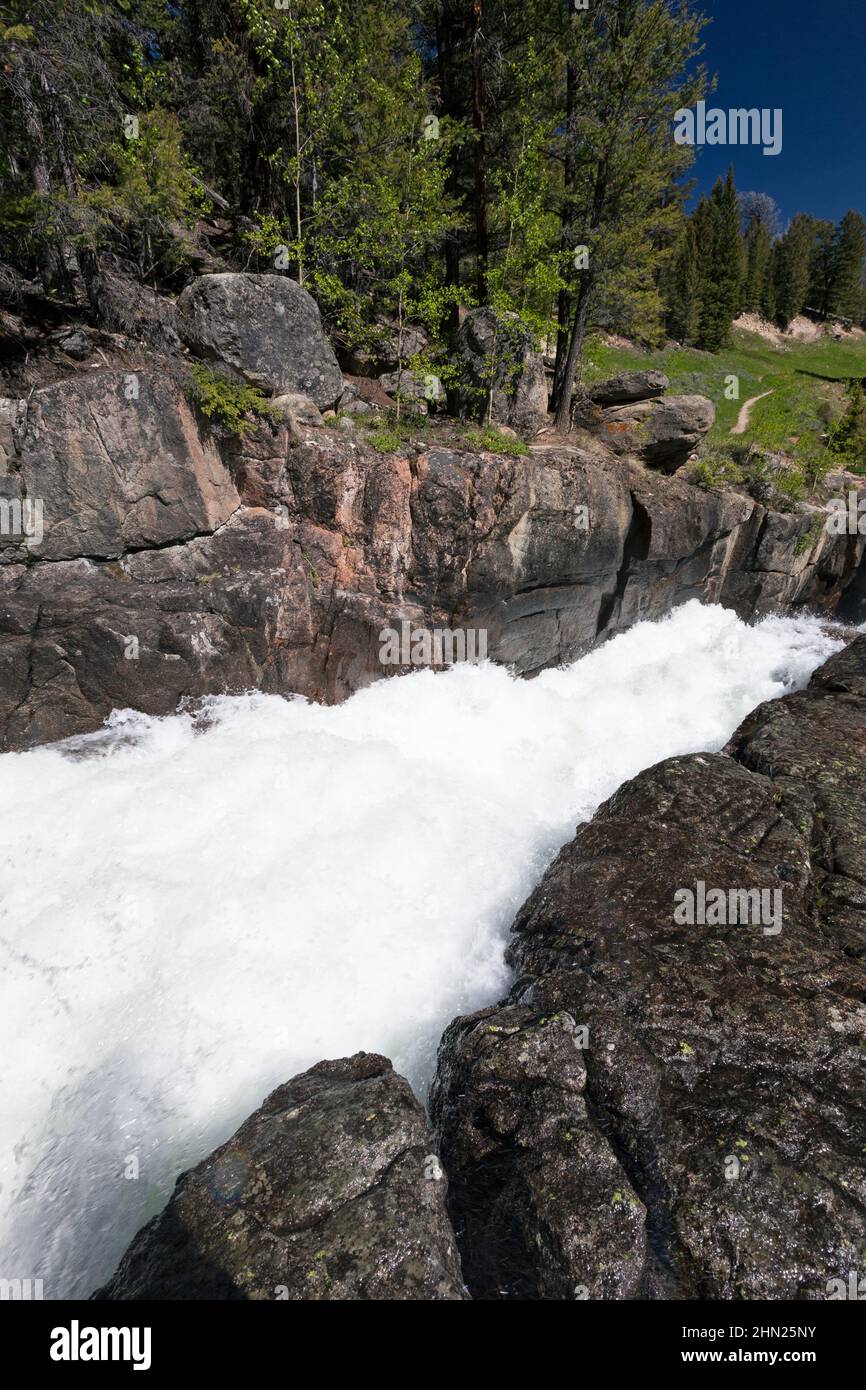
x=189 y=917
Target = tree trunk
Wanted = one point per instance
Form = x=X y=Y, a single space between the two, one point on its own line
x=479 y=121
x=563 y=305
x=445 y=61
x=575 y=349
x=584 y=297
x=563 y=320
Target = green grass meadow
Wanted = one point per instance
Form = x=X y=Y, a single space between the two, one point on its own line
x=807 y=380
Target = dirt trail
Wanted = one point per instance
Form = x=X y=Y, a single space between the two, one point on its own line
x=745 y=414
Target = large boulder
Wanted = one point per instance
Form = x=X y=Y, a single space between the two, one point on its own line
x=330 y=1190
x=496 y=352
x=629 y=386
x=723 y=1047
x=662 y=433
x=423 y=391
x=264 y=328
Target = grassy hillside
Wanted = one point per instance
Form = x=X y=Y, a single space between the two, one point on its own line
x=807 y=381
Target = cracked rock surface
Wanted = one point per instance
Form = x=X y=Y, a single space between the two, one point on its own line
x=329 y=1190
x=118 y=463
x=679 y=1111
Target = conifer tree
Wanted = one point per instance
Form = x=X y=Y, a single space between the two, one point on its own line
x=823 y=272
x=769 y=303
x=846 y=294
x=794 y=268
x=759 y=255
x=684 y=288
x=632 y=57
x=723 y=267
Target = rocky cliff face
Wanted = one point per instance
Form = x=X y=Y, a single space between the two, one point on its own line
x=175 y=564
x=674 y=1108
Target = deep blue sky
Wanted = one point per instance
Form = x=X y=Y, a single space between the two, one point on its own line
x=809 y=58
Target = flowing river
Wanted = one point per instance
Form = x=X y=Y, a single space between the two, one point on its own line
x=193 y=909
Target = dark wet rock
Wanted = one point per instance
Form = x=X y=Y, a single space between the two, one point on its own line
x=844 y=673
x=265 y=328
x=629 y=386
x=541 y=1204
x=852 y=605
x=330 y=1190
x=725 y=1063
x=498 y=351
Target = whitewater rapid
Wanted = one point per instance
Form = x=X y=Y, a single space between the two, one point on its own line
x=193 y=910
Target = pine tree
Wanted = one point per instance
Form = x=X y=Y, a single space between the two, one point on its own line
x=794 y=268
x=846 y=294
x=769 y=302
x=633 y=58
x=684 y=289
x=759 y=255
x=849 y=436
x=824 y=269
x=723 y=266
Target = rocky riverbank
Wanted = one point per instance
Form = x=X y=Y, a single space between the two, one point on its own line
x=671 y=1110
x=661 y=1108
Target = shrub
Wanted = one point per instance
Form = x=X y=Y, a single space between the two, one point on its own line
x=154 y=189
x=230 y=402
x=815 y=461
x=385 y=441
x=492 y=442
x=807 y=540
x=716 y=468
x=848 y=437
x=390 y=430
